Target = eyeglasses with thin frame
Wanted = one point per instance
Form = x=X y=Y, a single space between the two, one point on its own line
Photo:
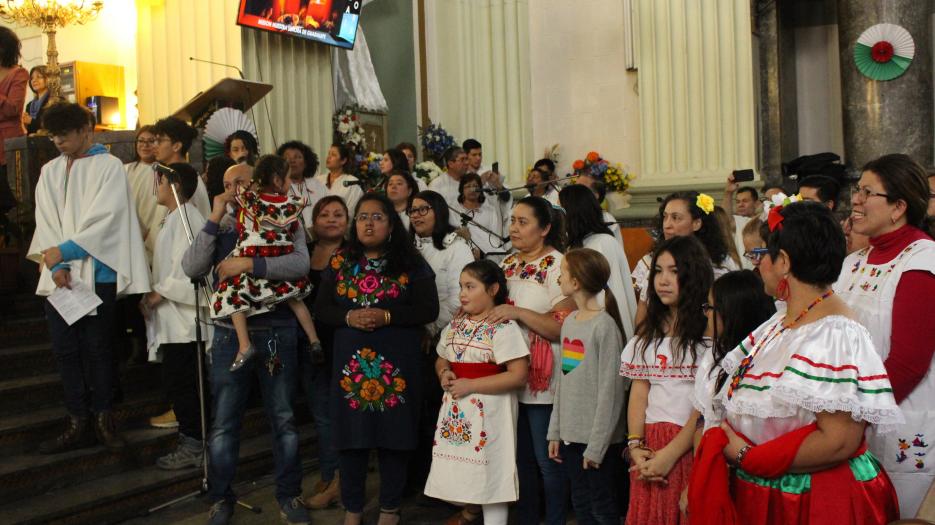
x=146 y=142
x=421 y=211
x=366 y=217
x=756 y=254
x=864 y=193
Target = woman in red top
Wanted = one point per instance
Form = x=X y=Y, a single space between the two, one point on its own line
x=13 y=80
x=891 y=286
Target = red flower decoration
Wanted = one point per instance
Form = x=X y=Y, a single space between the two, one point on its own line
x=774 y=219
x=882 y=52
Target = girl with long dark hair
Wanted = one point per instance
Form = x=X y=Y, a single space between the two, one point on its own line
x=340 y=164
x=661 y=361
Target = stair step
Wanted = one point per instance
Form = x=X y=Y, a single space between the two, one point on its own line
x=23 y=432
x=28 y=474
x=26 y=360
x=129 y=494
x=25 y=394
x=23 y=331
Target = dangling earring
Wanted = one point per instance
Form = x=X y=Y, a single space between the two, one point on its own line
x=782 y=289
x=390 y=238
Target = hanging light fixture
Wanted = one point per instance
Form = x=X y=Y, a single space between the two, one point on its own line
x=49 y=16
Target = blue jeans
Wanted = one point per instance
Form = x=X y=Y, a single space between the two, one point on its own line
x=316 y=381
x=532 y=458
x=593 y=491
x=230 y=391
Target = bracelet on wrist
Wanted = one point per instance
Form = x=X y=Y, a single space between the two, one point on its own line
x=347 y=318
x=742 y=453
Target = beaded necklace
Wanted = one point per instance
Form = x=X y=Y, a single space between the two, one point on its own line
x=465 y=346
x=747 y=363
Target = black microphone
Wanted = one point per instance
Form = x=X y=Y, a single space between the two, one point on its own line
x=218 y=64
x=162 y=169
x=355 y=182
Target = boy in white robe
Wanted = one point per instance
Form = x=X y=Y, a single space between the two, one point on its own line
x=173 y=140
x=86 y=230
x=170 y=310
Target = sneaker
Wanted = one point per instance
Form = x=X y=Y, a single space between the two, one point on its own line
x=186 y=455
x=294 y=513
x=166 y=420
x=221 y=513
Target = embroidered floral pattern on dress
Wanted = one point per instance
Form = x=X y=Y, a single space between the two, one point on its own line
x=513 y=266
x=869 y=281
x=455 y=428
x=370 y=382
x=916 y=447
x=363 y=282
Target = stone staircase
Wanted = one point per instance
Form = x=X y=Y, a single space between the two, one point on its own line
x=93 y=485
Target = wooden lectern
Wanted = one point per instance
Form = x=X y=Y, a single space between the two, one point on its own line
x=226 y=93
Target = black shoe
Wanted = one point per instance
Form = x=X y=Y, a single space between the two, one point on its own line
x=106 y=431
x=77 y=435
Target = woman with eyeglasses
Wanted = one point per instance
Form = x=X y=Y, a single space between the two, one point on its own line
x=797 y=396
x=484 y=212
x=142 y=181
x=891 y=286
x=379 y=293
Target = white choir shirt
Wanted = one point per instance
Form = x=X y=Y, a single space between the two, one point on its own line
x=489 y=216
x=739 y=223
x=312 y=190
x=173 y=319
x=447 y=265
x=620 y=282
x=611 y=222
x=142 y=181
x=445 y=186
x=200 y=199
x=350 y=194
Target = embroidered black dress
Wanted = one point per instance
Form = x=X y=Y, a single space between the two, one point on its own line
x=376 y=382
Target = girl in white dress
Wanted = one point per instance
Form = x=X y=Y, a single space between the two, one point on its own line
x=661 y=361
x=481 y=366
x=685 y=213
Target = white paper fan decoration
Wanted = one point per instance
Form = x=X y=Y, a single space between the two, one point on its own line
x=225 y=121
x=884 y=51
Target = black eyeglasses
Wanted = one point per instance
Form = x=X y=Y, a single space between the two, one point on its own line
x=421 y=211
x=756 y=254
x=865 y=193
x=145 y=142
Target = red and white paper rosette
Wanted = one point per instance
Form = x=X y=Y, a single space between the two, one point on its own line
x=884 y=51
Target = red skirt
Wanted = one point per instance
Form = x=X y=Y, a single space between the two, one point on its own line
x=655 y=503
x=856 y=492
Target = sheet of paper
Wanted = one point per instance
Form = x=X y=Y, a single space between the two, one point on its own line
x=75 y=303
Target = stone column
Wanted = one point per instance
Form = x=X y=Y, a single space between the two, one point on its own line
x=892 y=116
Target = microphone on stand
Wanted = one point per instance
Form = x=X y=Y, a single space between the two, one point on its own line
x=235 y=68
x=162 y=169
x=355 y=182
x=467 y=219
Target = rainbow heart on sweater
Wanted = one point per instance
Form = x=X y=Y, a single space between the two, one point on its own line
x=572 y=354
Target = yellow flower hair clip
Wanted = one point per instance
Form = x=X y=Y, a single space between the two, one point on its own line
x=705 y=202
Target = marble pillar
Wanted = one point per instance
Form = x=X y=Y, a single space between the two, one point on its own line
x=892 y=116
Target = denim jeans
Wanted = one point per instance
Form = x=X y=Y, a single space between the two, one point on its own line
x=316 y=380
x=84 y=354
x=230 y=391
x=532 y=458
x=593 y=491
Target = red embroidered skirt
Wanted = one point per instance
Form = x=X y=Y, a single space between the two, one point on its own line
x=655 y=503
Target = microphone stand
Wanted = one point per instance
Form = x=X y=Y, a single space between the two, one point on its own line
x=467 y=219
x=200 y=284
x=527 y=187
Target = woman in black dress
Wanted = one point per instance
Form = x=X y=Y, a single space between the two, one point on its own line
x=379 y=293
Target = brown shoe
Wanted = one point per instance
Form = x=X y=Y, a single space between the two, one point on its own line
x=77 y=434
x=331 y=495
x=106 y=431
x=469 y=515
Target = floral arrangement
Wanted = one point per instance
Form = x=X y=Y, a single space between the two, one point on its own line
x=435 y=140
x=776 y=202
x=348 y=129
x=427 y=171
x=368 y=168
x=371 y=382
x=614 y=176
x=705 y=202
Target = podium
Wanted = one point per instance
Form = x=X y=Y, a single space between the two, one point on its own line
x=226 y=93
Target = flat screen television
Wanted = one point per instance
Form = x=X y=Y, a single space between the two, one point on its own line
x=331 y=22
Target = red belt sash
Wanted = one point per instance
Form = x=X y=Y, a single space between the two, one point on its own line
x=475 y=370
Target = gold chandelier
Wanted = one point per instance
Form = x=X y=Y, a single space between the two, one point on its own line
x=49 y=16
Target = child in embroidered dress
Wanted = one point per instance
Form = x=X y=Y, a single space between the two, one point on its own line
x=661 y=361
x=266 y=220
x=587 y=425
x=481 y=367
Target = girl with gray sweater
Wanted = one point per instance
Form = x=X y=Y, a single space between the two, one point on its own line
x=587 y=426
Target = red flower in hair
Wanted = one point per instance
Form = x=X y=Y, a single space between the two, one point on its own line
x=774 y=219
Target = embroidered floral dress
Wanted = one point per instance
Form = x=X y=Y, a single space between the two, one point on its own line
x=827 y=365
x=265 y=225
x=474 y=450
x=376 y=375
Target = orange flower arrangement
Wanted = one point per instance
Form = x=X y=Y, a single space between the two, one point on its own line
x=371 y=390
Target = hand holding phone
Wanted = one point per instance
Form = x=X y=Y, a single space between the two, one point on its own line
x=742 y=175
